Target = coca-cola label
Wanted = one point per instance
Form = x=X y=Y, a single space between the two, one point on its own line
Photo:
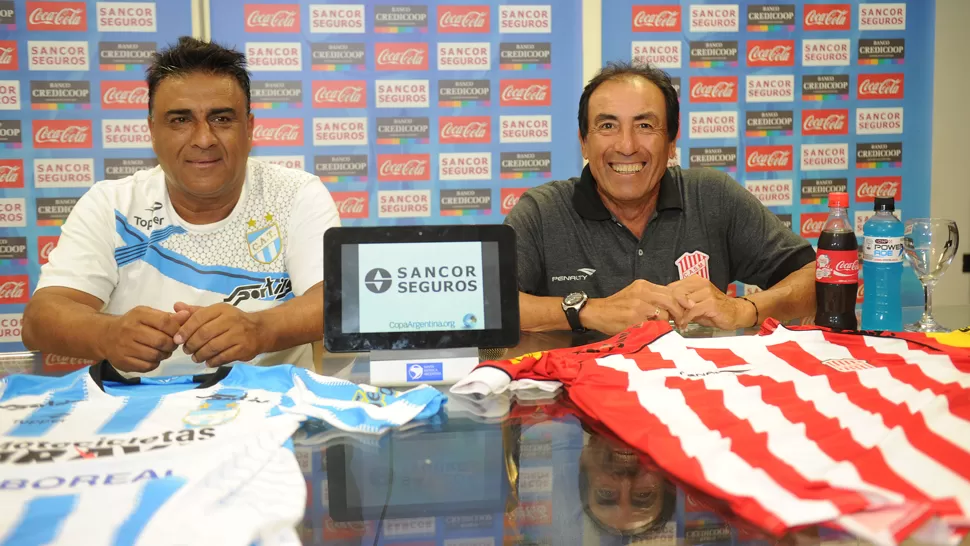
x=516 y=165
x=770 y=88
x=276 y=94
x=116 y=169
x=884 y=51
x=765 y=53
x=860 y=294
x=404 y=204
x=53 y=211
x=532 y=92
x=825 y=157
x=127 y=16
x=401 y=18
x=9 y=94
x=465 y=129
x=62 y=133
x=404 y=56
x=338 y=56
x=825 y=87
x=341 y=168
x=464 y=56
x=785 y=220
x=464 y=19
x=395 y=131
x=459 y=93
x=518 y=19
x=769 y=158
x=522 y=129
x=10 y=133
x=59 y=92
x=8 y=55
x=278 y=132
x=465 y=201
x=525 y=55
x=45 y=245
x=880 y=86
x=867 y=188
x=882 y=16
x=11 y=174
x=125 y=133
x=465 y=166
x=771 y=193
x=337 y=18
x=62 y=364
x=56 y=55
x=834 y=52
x=815 y=191
x=812 y=223
x=13 y=249
x=272 y=17
x=828 y=17
x=713 y=54
x=825 y=122
x=8 y=15
x=660 y=54
x=403 y=167
x=878 y=155
x=714 y=18
x=879 y=121
x=837 y=266
x=122 y=55
x=57 y=16
x=352 y=204
x=402 y=93
x=13 y=212
x=509 y=198
x=771 y=17
x=765 y=123
x=340 y=131
x=14 y=289
x=863 y=216
x=275 y=56
x=339 y=93
x=288 y=161
x=663 y=18
x=720 y=124
x=722 y=158
x=63 y=173
x=713 y=89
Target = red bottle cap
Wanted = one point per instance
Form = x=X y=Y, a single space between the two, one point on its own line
x=839 y=199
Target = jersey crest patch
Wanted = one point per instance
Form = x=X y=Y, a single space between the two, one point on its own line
x=693 y=263
x=266 y=242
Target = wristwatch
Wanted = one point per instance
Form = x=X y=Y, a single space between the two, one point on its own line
x=572 y=305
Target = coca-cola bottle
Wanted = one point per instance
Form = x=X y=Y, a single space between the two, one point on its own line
x=837 y=268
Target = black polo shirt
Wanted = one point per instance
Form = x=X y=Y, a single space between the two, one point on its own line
x=705 y=223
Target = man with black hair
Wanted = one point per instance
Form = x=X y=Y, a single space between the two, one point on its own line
x=211 y=251
x=633 y=240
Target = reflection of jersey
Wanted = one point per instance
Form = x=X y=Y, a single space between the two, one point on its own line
x=172 y=460
x=794 y=427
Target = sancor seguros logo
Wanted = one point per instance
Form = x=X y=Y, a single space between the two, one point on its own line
x=378 y=280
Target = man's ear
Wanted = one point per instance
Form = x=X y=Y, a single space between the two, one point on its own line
x=582 y=143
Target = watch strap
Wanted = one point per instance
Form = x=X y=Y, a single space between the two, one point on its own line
x=572 y=315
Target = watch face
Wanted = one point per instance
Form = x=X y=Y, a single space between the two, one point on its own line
x=573 y=298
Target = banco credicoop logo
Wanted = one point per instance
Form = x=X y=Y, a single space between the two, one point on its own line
x=378 y=280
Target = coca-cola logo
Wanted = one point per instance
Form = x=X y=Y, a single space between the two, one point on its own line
x=827 y=18
x=72 y=134
x=9 y=174
x=64 y=17
x=287 y=132
x=45 y=251
x=137 y=96
x=473 y=130
x=61 y=361
x=7 y=55
x=412 y=168
x=284 y=19
x=810 y=226
x=860 y=294
x=663 y=19
x=775 y=54
x=776 y=158
x=846 y=268
x=832 y=122
x=887 y=87
x=867 y=189
x=525 y=93
x=510 y=197
x=346 y=95
x=719 y=90
x=471 y=19
x=13 y=289
x=509 y=201
x=409 y=57
x=351 y=205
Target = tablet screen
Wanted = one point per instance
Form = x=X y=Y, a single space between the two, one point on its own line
x=415 y=287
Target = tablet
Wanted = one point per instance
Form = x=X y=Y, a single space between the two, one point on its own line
x=420 y=287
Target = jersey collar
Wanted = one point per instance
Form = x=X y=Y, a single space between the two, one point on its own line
x=589 y=205
x=104 y=371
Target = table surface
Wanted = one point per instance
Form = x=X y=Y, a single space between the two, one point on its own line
x=467 y=480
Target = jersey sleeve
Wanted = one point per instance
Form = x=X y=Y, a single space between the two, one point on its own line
x=529 y=371
x=84 y=256
x=314 y=212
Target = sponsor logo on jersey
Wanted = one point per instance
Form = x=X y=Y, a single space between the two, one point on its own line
x=880 y=86
x=63 y=173
x=825 y=157
x=62 y=133
x=337 y=18
x=723 y=124
x=522 y=129
x=274 y=56
x=338 y=56
x=771 y=17
x=9 y=92
x=465 y=202
x=886 y=51
x=770 y=88
x=53 y=211
x=56 y=55
x=525 y=55
x=400 y=19
x=713 y=89
x=278 y=132
x=664 y=18
x=465 y=129
x=464 y=56
x=402 y=93
x=882 y=16
x=275 y=94
x=404 y=203
x=403 y=167
x=722 y=158
x=766 y=53
x=693 y=263
x=662 y=54
x=57 y=16
x=517 y=165
x=352 y=204
x=536 y=19
x=771 y=193
x=828 y=17
x=867 y=188
x=269 y=290
x=264 y=239
x=764 y=123
x=115 y=169
x=271 y=17
x=339 y=131
x=11 y=174
x=459 y=93
x=127 y=17
x=125 y=133
x=824 y=87
x=405 y=56
x=122 y=56
x=341 y=168
x=815 y=191
x=878 y=155
x=713 y=54
x=13 y=212
x=825 y=122
x=509 y=198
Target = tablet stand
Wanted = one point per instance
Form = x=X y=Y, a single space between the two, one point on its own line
x=410 y=367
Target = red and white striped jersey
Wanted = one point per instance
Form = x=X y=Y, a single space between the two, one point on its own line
x=796 y=426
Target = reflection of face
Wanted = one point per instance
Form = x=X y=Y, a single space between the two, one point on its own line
x=201 y=134
x=627 y=146
x=622 y=493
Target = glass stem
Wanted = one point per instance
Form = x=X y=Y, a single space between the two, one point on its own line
x=928 y=306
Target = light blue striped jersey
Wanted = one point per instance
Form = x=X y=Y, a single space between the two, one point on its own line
x=95 y=458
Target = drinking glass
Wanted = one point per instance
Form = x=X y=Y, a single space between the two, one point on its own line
x=929 y=244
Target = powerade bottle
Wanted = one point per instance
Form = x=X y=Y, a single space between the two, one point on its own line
x=882 y=269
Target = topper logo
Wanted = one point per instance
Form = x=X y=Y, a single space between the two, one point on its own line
x=350 y=94
x=137 y=96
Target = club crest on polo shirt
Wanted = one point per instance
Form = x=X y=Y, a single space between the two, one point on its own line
x=264 y=239
x=693 y=263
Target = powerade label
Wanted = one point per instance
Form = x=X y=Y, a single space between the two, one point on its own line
x=419 y=372
x=882 y=250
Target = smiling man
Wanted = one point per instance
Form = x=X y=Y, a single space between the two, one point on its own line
x=633 y=240
x=210 y=258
